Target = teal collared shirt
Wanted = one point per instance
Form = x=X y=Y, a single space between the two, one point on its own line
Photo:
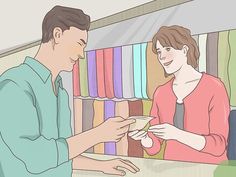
x=34 y=123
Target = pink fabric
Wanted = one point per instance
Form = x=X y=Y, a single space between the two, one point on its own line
x=108 y=65
x=206 y=113
x=100 y=73
x=76 y=82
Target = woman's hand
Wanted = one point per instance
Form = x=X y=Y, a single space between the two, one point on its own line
x=117 y=167
x=146 y=141
x=165 y=131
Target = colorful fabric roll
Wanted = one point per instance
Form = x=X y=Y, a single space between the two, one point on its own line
x=100 y=73
x=78 y=116
x=88 y=114
x=223 y=58
x=137 y=70
x=127 y=72
x=98 y=119
x=155 y=72
x=118 y=72
x=202 y=50
x=135 y=148
x=76 y=82
x=92 y=73
x=122 y=110
x=212 y=54
x=144 y=69
x=83 y=73
x=110 y=147
x=108 y=66
x=147 y=105
x=232 y=67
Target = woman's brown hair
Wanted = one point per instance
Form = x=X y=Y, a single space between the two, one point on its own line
x=177 y=36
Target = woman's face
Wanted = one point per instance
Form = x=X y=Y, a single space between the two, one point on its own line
x=171 y=59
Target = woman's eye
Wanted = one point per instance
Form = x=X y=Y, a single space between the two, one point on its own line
x=168 y=49
x=158 y=53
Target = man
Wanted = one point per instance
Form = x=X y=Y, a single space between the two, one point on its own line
x=35 y=132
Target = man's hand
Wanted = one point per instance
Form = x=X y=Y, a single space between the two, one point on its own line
x=113 y=129
x=117 y=167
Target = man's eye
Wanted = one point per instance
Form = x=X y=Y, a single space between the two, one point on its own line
x=158 y=53
x=79 y=44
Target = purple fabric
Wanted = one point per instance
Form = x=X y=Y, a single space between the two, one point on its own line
x=117 y=72
x=92 y=74
x=110 y=147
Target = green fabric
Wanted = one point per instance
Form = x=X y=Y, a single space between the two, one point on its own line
x=83 y=76
x=232 y=67
x=223 y=58
x=33 y=123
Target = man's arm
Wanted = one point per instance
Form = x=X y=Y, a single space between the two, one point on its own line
x=105 y=166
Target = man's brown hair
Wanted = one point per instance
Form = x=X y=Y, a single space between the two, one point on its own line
x=177 y=36
x=64 y=18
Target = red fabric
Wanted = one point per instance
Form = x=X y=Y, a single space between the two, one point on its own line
x=134 y=147
x=206 y=112
x=100 y=73
x=108 y=65
x=76 y=81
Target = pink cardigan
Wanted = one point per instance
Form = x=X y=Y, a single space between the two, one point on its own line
x=206 y=111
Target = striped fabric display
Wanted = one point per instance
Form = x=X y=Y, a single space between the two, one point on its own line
x=127 y=72
x=122 y=110
x=76 y=82
x=88 y=114
x=92 y=74
x=144 y=69
x=232 y=67
x=108 y=66
x=223 y=58
x=135 y=148
x=212 y=54
x=83 y=73
x=202 y=50
x=109 y=105
x=118 y=72
x=100 y=73
x=97 y=120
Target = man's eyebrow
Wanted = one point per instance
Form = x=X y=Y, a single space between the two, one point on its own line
x=158 y=49
x=83 y=41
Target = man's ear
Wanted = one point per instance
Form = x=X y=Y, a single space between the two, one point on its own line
x=185 y=49
x=57 y=33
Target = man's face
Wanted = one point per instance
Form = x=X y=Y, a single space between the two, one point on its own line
x=70 y=47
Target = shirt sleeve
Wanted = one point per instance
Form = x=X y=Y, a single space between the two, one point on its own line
x=20 y=131
x=156 y=147
x=216 y=140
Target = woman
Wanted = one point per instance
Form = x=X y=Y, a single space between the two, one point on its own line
x=191 y=110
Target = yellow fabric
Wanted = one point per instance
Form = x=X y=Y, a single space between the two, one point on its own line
x=98 y=119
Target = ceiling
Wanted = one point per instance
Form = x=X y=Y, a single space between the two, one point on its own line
x=21 y=20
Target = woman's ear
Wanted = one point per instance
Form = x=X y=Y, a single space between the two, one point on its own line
x=185 y=49
x=57 y=33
